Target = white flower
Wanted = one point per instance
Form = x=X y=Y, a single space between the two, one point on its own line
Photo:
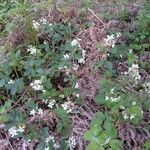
x=51 y=103
x=61 y=95
x=107 y=141
x=40 y=111
x=32 y=112
x=32 y=50
x=56 y=145
x=43 y=20
x=71 y=143
x=107 y=98
x=50 y=138
x=66 y=56
x=122 y=107
x=132 y=116
x=68 y=106
x=83 y=53
x=36 y=25
x=118 y=35
x=110 y=41
x=47 y=148
x=77 y=95
x=76 y=86
x=75 y=67
x=133 y=72
x=112 y=90
x=125 y=116
x=12 y=131
x=37 y=85
x=50 y=24
x=11 y=82
x=133 y=103
x=75 y=43
x=21 y=129
x=81 y=61
x=130 y=51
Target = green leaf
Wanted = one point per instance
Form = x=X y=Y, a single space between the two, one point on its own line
x=2 y=82
x=100 y=98
x=147 y=144
x=94 y=146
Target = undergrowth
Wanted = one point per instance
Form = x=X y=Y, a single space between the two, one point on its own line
x=39 y=88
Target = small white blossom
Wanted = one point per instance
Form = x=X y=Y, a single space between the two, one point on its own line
x=61 y=95
x=71 y=143
x=21 y=129
x=37 y=85
x=81 y=61
x=130 y=51
x=107 y=141
x=56 y=145
x=77 y=95
x=66 y=56
x=68 y=106
x=32 y=112
x=12 y=131
x=36 y=25
x=133 y=103
x=40 y=111
x=11 y=82
x=110 y=41
x=118 y=35
x=125 y=116
x=75 y=67
x=50 y=24
x=43 y=20
x=112 y=90
x=32 y=50
x=133 y=72
x=76 y=86
x=47 y=148
x=75 y=43
x=107 y=98
x=51 y=103
x=132 y=116
x=122 y=107
x=50 y=138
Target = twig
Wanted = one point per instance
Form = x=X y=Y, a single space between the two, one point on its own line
x=96 y=16
x=9 y=141
x=15 y=102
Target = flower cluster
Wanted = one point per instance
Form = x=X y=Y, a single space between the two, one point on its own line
x=82 y=60
x=75 y=43
x=38 y=111
x=111 y=40
x=49 y=102
x=52 y=103
x=128 y=116
x=32 y=50
x=51 y=138
x=68 y=106
x=110 y=96
x=11 y=82
x=37 y=85
x=13 y=131
x=71 y=143
x=36 y=25
x=133 y=72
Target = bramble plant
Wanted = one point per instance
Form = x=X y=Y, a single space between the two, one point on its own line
x=39 y=88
